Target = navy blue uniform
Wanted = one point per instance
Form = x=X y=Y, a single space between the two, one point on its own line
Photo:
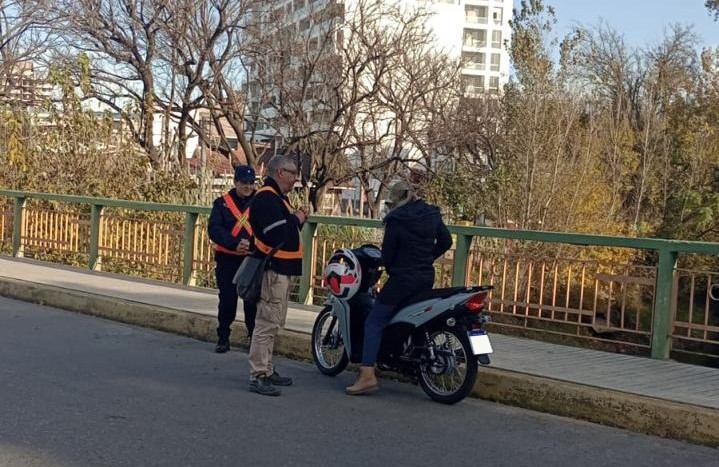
x=221 y=224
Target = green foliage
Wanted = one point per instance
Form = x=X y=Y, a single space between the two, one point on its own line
x=460 y=192
x=350 y=236
x=608 y=140
x=713 y=7
x=67 y=149
x=530 y=57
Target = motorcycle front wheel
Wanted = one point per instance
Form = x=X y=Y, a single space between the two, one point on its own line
x=449 y=376
x=328 y=350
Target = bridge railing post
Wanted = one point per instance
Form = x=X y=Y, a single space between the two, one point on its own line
x=18 y=227
x=188 y=248
x=461 y=255
x=309 y=231
x=96 y=214
x=664 y=302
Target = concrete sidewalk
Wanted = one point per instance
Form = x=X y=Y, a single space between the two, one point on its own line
x=663 y=398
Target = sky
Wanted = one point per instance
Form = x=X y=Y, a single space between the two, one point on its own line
x=641 y=21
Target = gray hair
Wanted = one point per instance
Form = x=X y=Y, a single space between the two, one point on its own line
x=400 y=194
x=280 y=161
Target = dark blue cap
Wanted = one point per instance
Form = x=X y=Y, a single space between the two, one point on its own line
x=244 y=174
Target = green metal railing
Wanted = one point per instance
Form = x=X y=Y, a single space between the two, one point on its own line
x=667 y=250
x=97 y=206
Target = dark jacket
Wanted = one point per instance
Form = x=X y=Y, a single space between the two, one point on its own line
x=274 y=223
x=414 y=237
x=222 y=221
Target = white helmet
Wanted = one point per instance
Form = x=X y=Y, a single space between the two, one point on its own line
x=343 y=274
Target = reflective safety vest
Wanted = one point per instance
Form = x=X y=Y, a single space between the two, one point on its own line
x=243 y=223
x=265 y=248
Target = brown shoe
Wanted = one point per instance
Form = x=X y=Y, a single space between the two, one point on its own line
x=366 y=382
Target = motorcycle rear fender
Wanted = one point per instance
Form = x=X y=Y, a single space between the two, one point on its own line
x=420 y=313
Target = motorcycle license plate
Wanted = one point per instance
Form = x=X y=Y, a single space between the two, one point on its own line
x=479 y=340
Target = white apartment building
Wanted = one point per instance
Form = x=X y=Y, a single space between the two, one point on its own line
x=478 y=33
x=485 y=36
x=475 y=31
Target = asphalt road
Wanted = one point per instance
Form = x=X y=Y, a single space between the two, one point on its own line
x=82 y=391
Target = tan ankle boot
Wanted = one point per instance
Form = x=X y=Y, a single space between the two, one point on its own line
x=366 y=382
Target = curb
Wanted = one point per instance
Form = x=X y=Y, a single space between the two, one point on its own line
x=608 y=407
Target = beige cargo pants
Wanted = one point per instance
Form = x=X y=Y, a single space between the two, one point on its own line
x=271 y=316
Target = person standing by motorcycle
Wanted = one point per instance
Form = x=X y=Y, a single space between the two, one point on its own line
x=277 y=228
x=231 y=234
x=415 y=236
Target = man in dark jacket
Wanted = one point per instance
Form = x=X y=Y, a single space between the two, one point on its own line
x=231 y=233
x=415 y=236
x=276 y=225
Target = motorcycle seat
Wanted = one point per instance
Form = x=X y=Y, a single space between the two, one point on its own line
x=431 y=294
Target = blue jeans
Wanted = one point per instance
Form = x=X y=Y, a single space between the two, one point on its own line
x=378 y=318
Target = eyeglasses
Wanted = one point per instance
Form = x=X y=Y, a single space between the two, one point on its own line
x=293 y=172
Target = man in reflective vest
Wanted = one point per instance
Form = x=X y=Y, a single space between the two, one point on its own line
x=276 y=224
x=231 y=233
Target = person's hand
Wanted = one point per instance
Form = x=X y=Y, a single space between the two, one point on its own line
x=302 y=214
x=243 y=248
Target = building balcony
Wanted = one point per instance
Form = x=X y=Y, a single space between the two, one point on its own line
x=474 y=45
x=476 y=66
x=476 y=20
x=472 y=72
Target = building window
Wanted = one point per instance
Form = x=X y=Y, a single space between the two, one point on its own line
x=494 y=83
x=473 y=85
x=475 y=60
x=494 y=64
x=497 y=15
x=475 y=38
x=496 y=39
x=476 y=14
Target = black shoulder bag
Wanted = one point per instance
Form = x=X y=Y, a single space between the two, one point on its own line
x=248 y=278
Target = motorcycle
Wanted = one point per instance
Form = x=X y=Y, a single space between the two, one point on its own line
x=436 y=338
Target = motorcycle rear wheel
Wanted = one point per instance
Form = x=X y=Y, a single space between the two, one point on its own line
x=328 y=350
x=451 y=377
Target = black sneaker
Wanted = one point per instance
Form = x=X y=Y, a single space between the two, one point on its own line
x=263 y=385
x=223 y=345
x=278 y=380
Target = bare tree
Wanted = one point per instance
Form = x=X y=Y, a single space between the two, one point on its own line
x=22 y=38
x=205 y=49
x=120 y=37
x=355 y=92
x=634 y=90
